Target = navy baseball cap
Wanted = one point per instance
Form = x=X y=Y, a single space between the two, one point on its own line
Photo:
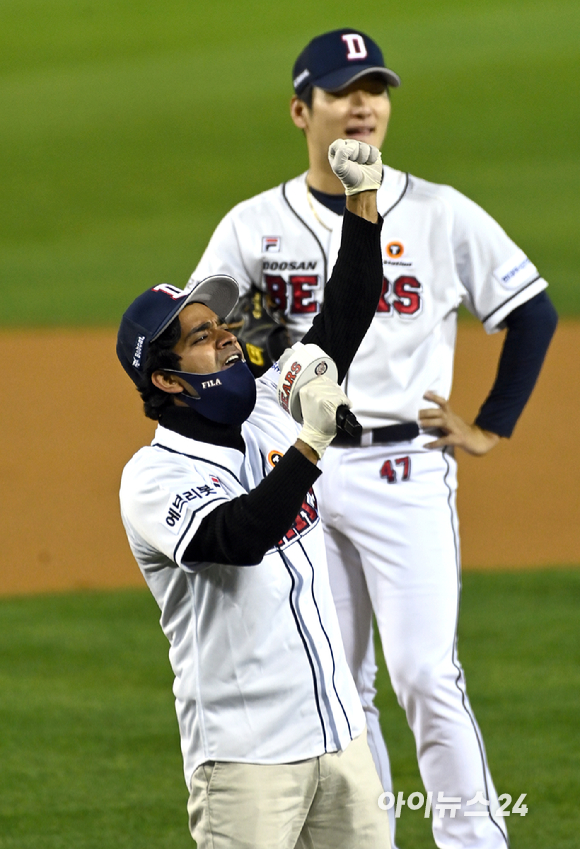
x=335 y=59
x=153 y=311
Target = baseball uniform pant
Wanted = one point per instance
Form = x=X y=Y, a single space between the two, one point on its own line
x=328 y=802
x=392 y=543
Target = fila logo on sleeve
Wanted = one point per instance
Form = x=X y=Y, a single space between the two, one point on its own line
x=356 y=46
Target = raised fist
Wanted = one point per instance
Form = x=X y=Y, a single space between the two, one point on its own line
x=356 y=164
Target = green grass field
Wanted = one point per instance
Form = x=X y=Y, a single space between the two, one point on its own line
x=89 y=749
x=127 y=129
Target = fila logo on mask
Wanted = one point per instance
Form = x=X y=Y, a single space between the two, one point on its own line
x=356 y=46
x=208 y=384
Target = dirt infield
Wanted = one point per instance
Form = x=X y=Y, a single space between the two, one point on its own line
x=73 y=420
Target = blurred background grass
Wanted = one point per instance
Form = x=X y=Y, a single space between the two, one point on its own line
x=128 y=128
x=89 y=749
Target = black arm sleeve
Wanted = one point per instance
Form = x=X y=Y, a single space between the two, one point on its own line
x=351 y=294
x=241 y=531
x=530 y=328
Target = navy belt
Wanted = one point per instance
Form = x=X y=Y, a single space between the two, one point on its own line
x=379 y=436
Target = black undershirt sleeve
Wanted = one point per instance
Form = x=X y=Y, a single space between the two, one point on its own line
x=530 y=328
x=241 y=531
x=244 y=529
x=340 y=326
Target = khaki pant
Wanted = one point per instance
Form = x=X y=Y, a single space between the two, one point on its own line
x=329 y=802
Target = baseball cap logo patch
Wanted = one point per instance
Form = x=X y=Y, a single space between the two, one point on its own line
x=138 y=352
x=356 y=46
x=302 y=77
x=170 y=290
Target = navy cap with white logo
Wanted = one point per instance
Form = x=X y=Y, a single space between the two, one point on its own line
x=153 y=311
x=335 y=59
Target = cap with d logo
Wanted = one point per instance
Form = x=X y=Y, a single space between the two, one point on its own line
x=335 y=59
x=153 y=311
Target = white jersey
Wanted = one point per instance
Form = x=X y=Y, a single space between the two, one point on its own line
x=260 y=671
x=439 y=250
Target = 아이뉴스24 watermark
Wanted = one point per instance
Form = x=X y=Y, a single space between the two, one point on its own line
x=479 y=806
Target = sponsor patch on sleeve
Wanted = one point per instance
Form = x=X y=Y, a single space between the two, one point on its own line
x=516 y=271
x=176 y=508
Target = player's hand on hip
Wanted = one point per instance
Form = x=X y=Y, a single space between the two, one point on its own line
x=357 y=165
x=456 y=432
x=320 y=399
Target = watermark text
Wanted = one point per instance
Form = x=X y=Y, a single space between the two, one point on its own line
x=444 y=806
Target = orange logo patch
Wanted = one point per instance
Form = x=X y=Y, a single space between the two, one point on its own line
x=395 y=250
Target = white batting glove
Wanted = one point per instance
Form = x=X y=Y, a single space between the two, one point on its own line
x=357 y=165
x=320 y=399
x=286 y=354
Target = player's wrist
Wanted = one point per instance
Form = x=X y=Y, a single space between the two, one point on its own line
x=364 y=204
x=316 y=438
x=489 y=438
x=307 y=451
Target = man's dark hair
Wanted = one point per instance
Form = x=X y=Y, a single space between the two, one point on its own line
x=306 y=96
x=160 y=355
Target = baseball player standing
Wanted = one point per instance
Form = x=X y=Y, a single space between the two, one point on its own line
x=388 y=499
x=223 y=523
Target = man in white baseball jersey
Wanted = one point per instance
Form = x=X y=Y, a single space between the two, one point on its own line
x=388 y=498
x=222 y=520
